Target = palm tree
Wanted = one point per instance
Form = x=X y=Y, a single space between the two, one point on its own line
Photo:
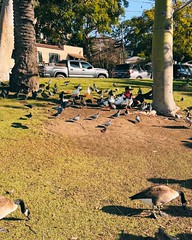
x=24 y=74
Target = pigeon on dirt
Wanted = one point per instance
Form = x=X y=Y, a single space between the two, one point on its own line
x=188 y=118
x=59 y=111
x=117 y=114
x=93 y=117
x=137 y=119
x=108 y=123
x=74 y=119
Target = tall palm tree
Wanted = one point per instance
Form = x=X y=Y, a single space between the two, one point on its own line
x=24 y=74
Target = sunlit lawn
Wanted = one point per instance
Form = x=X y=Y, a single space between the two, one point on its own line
x=67 y=191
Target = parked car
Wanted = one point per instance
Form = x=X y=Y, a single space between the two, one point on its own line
x=130 y=71
x=139 y=73
x=182 y=71
x=72 y=68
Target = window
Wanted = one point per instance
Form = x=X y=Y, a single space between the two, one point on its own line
x=40 y=57
x=54 y=57
x=74 y=64
x=86 y=65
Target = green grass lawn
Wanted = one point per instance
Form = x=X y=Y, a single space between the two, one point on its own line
x=72 y=194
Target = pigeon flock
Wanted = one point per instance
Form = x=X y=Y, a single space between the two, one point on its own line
x=95 y=98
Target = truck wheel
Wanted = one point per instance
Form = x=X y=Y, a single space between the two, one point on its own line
x=60 y=75
x=101 y=76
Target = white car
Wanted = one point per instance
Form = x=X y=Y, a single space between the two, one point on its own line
x=139 y=73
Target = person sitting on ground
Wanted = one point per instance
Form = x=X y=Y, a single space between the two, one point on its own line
x=128 y=94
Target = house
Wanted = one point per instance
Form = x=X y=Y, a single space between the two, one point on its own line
x=52 y=53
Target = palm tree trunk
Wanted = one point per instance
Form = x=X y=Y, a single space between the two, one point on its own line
x=162 y=59
x=25 y=71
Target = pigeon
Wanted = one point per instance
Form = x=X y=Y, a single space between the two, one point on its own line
x=117 y=114
x=55 y=88
x=139 y=91
x=188 y=118
x=4 y=93
x=75 y=119
x=29 y=115
x=29 y=105
x=107 y=124
x=47 y=87
x=137 y=119
x=150 y=108
x=93 y=117
x=45 y=95
x=59 y=111
x=76 y=92
x=88 y=91
x=66 y=83
x=144 y=106
x=126 y=112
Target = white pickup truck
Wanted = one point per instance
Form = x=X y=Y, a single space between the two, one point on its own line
x=72 y=68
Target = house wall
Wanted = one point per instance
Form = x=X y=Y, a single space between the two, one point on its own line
x=48 y=52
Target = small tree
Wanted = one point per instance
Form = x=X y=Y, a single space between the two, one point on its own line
x=24 y=74
x=162 y=59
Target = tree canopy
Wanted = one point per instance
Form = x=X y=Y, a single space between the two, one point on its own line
x=70 y=21
x=138 y=31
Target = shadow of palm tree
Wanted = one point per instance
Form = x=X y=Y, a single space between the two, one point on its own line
x=127 y=236
x=19 y=125
x=184 y=236
x=121 y=211
x=13 y=219
x=183 y=183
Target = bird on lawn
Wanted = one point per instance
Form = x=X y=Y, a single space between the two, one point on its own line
x=76 y=92
x=29 y=115
x=8 y=206
x=157 y=196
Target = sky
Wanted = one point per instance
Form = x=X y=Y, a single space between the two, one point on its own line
x=137 y=7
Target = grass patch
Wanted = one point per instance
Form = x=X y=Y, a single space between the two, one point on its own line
x=77 y=194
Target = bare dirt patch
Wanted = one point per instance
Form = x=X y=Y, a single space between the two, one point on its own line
x=153 y=133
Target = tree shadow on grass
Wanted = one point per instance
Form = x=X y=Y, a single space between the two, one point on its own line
x=19 y=125
x=187 y=183
x=184 y=236
x=13 y=219
x=127 y=236
x=121 y=211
